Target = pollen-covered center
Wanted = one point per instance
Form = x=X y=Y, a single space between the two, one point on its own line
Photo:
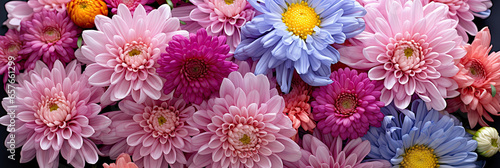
x=229 y=2
x=300 y=19
x=419 y=156
x=346 y=104
x=162 y=120
x=476 y=69
x=407 y=55
x=54 y=110
x=50 y=35
x=135 y=56
x=194 y=68
x=244 y=138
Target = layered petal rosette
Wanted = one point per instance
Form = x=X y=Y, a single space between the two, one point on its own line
x=244 y=126
x=57 y=113
x=297 y=106
x=122 y=53
x=295 y=35
x=10 y=45
x=421 y=138
x=39 y=5
x=412 y=48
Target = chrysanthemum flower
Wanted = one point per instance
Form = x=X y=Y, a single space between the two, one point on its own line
x=154 y=132
x=194 y=67
x=464 y=11
x=412 y=48
x=83 y=12
x=421 y=138
x=39 y=5
x=122 y=53
x=488 y=141
x=49 y=36
x=10 y=44
x=349 y=106
x=244 y=126
x=123 y=161
x=478 y=72
x=294 y=35
x=17 y=11
x=57 y=113
x=333 y=154
x=131 y=5
x=297 y=106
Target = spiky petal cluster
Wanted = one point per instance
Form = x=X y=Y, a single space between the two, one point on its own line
x=297 y=106
x=57 y=115
x=349 y=106
x=195 y=66
x=123 y=161
x=412 y=48
x=122 y=53
x=49 y=36
x=477 y=75
x=244 y=126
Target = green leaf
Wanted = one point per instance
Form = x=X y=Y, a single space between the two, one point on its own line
x=493 y=91
x=169 y=2
x=79 y=42
x=182 y=22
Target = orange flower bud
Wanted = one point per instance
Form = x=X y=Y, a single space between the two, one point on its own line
x=83 y=12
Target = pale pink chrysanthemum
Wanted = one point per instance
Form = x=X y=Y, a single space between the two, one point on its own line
x=123 y=161
x=57 y=113
x=49 y=36
x=478 y=72
x=195 y=66
x=17 y=11
x=39 y=5
x=154 y=132
x=333 y=154
x=297 y=106
x=10 y=44
x=349 y=106
x=131 y=5
x=244 y=126
x=249 y=66
x=221 y=17
x=412 y=48
x=122 y=53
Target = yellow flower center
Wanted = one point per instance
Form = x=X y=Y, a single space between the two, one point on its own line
x=245 y=139
x=134 y=52
x=408 y=52
x=229 y=2
x=53 y=107
x=300 y=19
x=161 y=120
x=494 y=142
x=419 y=156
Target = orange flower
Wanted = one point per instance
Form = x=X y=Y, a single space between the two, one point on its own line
x=83 y=12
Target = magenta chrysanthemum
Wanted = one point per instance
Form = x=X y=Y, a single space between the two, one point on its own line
x=57 y=114
x=244 y=126
x=10 y=44
x=49 y=36
x=131 y=5
x=155 y=132
x=123 y=51
x=223 y=17
x=349 y=106
x=195 y=66
x=412 y=48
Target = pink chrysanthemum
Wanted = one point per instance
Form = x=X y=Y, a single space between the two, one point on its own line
x=297 y=106
x=222 y=17
x=349 y=106
x=123 y=161
x=17 y=11
x=39 y=5
x=57 y=113
x=49 y=36
x=244 y=126
x=412 y=48
x=131 y=5
x=10 y=44
x=333 y=154
x=123 y=51
x=155 y=132
x=195 y=66
x=478 y=72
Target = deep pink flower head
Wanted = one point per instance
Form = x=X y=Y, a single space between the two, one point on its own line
x=194 y=67
x=123 y=161
x=244 y=126
x=412 y=48
x=57 y=113
x=39 y=5
x=333 y=154
x=221 y=17
x=17 y=11
x=10 y=44
x=297 y=106
x=122 y=53
x=49 y=36
x=349 y=106
x=478 y=72
x=131 y=5
x=154 y=132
